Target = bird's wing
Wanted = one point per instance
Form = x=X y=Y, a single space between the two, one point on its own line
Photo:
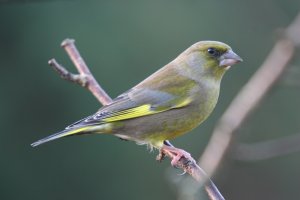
x=162 y=91
x=132 y=104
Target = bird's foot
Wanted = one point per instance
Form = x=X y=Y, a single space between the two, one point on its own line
x=177 y=154
x=161 y=156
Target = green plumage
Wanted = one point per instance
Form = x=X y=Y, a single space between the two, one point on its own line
x=169 y=103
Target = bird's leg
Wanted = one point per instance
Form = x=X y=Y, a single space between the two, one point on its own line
x=178 y=153
x=168 y=143
x=161 y=154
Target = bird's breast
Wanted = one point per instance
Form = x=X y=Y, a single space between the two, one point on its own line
x=205 y=100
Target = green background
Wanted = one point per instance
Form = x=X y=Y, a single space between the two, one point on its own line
x=123 y=42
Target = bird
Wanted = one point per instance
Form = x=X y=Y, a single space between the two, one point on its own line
x=169 y=103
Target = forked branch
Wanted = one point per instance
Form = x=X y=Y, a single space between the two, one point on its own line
x=85 y=78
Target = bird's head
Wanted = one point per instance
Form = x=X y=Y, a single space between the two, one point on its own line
x=211 y=58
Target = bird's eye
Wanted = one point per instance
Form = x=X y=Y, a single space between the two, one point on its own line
x=214 y=52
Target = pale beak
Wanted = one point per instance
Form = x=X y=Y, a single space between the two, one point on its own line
x=229 y=58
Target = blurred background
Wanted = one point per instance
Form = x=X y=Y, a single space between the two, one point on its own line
x=123 y=42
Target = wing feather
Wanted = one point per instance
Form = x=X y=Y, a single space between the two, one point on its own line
x=131 y=105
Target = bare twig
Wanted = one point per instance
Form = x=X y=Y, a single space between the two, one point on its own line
x=190 y=166
x=249 y=97
x=267 y=149
x=66 y=75
x=87 y=80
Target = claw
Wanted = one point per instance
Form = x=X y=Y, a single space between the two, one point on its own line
x=178 y=154
x=183 y=173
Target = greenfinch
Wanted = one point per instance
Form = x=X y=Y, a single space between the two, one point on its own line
x=169 y=103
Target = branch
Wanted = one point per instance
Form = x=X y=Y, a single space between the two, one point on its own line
x=250 y=96
x=267 y=149
x=197 y=173
x=87 y=80
x=80 y=79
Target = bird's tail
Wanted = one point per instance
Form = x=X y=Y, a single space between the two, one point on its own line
x=66 y=132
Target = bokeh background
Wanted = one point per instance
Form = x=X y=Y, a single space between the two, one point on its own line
x=123 y=42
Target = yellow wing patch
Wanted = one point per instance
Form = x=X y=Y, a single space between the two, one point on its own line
x=183 y=103
x=131 y=113
x=141 y=111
